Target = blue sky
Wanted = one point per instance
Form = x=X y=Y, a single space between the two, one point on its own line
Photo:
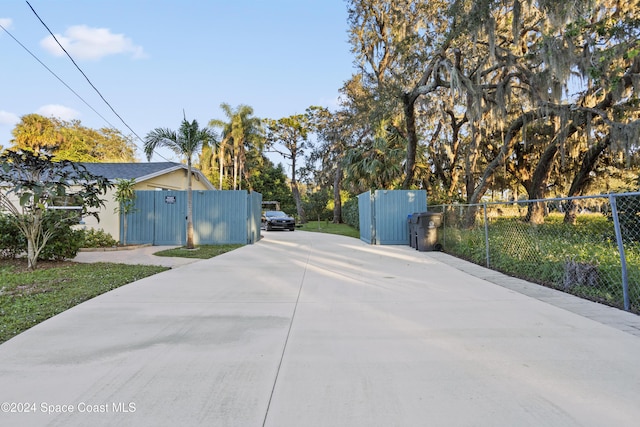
x=152 y=59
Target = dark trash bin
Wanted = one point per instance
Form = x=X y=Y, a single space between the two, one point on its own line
x=412 y=220
x=427 y=231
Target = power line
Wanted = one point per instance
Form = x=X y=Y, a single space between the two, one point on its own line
x=55 y=75
x=87 y=78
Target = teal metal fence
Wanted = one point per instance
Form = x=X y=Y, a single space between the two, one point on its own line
x=219 y=217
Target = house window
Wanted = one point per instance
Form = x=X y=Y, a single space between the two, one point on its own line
x=71 y=211
x=70 y=205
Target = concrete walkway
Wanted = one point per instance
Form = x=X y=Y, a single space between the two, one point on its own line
x=305 y=329
x=144 y=255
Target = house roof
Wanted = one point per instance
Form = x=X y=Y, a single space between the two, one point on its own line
x=140 y=171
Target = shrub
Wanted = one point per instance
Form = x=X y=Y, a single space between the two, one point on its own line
x=350 y=213
x=315 y=206
x=65 y=242
x=12 y=242
x=97 y=239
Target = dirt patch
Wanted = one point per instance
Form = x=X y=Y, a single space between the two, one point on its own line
x=20 y=264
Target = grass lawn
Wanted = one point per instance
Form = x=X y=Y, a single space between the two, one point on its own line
x=328 y=227
x=28 y=298
x=202 y=252
x=541 y=253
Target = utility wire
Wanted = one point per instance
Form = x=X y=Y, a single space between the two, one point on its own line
x=87 y=78
x=55 y=75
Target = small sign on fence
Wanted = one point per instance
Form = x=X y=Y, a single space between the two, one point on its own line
x=170 y=200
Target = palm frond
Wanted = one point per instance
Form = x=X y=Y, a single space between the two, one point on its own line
x=159 y=137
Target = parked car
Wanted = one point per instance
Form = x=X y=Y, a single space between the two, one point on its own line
x=277 y=220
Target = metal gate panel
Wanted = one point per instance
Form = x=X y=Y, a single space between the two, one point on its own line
x=170 y=218
x=392 y=208
x=220 y=217
x=365 y=211
x=254 y=216
x=384 y=213
x=141 y=222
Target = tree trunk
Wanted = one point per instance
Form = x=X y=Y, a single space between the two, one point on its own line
x=32 y=231
x=298 y=199
x=469 y=179
x=337 y=200
x=221 y=163
x=32 y=259
x=535 y=212
x=296 y=192
x=581 y=179
x=35 y=241
x=470 y=163
x=124 y=234
x=190 y=244
x=235 y=170
x=470 y=217
x=412 y=140
x=538 y=187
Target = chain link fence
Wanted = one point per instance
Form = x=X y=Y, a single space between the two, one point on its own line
x=586 y=246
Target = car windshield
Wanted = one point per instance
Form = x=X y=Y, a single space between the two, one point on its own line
x=275 y=214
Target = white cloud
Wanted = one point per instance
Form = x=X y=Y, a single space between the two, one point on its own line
x=332 y=104
x=83 y=42
x=59 y=111
x=7 y=118
x=6 y=23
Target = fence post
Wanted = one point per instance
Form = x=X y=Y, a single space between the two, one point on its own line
x=486 y=234
x=623 y=258
x=444 y=225
x=373 y=198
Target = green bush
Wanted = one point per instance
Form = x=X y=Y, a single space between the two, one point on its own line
x=65 y=242
x=12 y=242
x=97 y=239
x=350 y=213
x=315 y=206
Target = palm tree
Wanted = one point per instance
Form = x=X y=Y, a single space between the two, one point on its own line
x=376 y=162
x=240 y=132
x=188 y=140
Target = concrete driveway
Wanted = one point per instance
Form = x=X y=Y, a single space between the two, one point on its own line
x=305 y=329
